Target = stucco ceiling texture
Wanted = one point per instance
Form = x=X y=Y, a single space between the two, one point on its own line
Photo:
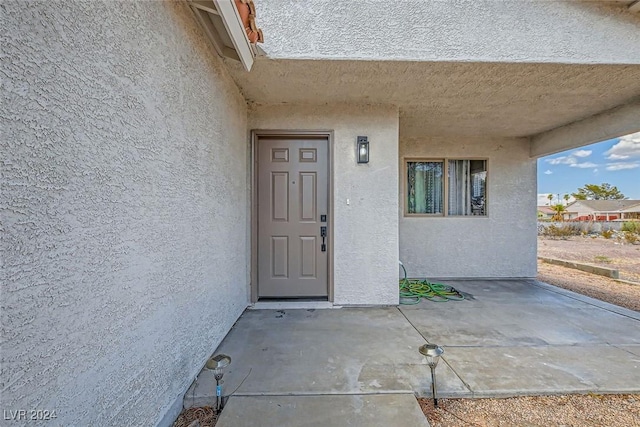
x=444 y=98
x=559 y=31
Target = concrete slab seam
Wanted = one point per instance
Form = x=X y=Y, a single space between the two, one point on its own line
x=458 y=375
x=541 y=392
x=587 y=345
x=445 y=361
x=626 y=350
x=338 y=393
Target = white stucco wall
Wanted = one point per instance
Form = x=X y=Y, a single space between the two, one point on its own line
x=365 y=231
x=503 y=244
x=461 y=30
x=123 y=206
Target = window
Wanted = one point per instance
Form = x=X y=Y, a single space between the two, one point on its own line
x=462 y=193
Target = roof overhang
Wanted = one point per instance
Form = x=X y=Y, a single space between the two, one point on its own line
x=221 y=22
x=566 y=104
x=609 y=124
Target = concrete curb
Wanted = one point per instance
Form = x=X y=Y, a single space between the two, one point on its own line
x=627 y=282
x=589 y=268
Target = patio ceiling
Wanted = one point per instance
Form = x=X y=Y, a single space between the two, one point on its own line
x=449 y=98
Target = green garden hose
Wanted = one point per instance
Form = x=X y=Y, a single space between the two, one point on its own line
x=413 y=290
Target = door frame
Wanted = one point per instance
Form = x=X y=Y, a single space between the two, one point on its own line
x=256 y=134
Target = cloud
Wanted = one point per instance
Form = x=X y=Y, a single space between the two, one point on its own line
x=617 y=157
x=595 y=170
x=548 y=172
x=563 y=160
x=622 y=166
x=582 y=153
x=628 y=147
x=585 y=165
x=572 y=160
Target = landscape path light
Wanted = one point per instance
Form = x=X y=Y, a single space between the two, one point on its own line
x=432 y=352
x=217 y=364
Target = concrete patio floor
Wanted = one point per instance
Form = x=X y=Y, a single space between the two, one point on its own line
x=350 y=366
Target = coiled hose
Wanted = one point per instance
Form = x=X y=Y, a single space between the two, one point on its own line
x=413 y=290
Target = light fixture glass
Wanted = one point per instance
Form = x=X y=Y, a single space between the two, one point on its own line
x=363 y=149
x=217 y=364
x=432 y=353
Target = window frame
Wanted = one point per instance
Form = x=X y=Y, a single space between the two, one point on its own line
x=445 y=201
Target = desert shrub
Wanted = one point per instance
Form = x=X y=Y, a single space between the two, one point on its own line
x=563 y=231
x=607 y=233
x=631 y=226
x=631 y=238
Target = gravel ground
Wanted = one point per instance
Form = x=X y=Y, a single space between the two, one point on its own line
x=612 y=253
x=205 y=417
x=600 y=287
x=573 y=410
x=600 y=251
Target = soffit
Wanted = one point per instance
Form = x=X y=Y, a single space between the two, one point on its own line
x=438 y=98
x=223 y=24
x=534 y=31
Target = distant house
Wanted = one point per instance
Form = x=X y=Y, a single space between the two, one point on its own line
x=605 y=210
x=545 y=212
x=632 y=212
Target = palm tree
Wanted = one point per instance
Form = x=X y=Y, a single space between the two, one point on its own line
x=559 y=210
x=566 y=199
x=550 y=197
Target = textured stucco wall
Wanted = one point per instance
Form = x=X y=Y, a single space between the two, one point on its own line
x=503 y=244
x=452 y=30
x=124 y=208
x=365 y=232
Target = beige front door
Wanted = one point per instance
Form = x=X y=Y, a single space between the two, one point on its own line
x=292 y=217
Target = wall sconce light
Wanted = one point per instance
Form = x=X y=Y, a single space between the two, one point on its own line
x=363 y=149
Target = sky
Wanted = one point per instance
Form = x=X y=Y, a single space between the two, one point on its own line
x=615 y=161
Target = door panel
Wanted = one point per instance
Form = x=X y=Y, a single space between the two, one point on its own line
x=308 y=196
x=280 y=196
x=308 y=258
x=292 y=194
x=280 y=256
